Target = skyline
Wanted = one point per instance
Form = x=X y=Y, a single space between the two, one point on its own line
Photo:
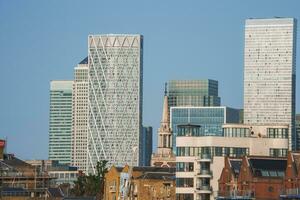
x=21 y=117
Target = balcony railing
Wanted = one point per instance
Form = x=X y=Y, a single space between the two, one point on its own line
x=290 y=192
x=236 y=194
x=205 y=172
x=205 y=158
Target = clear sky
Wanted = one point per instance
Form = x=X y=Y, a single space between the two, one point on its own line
x=44 y=40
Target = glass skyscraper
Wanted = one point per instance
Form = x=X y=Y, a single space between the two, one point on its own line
x=269 y=74
x=193 y=93
x=60 y=127
x=146 y=146
x=298 y=128
x=115 y=65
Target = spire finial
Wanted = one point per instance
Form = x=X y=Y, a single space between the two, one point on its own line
x=166 y=90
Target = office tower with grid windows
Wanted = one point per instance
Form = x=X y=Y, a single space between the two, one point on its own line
x=269 y=73
x=60 y=127
x=115 y=63
x=80 y=115
x=193 y=93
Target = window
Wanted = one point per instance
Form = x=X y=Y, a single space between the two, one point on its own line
x=184 y=182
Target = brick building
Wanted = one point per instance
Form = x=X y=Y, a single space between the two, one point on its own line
x=292 y=177
x=258 y=178
x=146 y=183
x=228 y=181
x=18 y=178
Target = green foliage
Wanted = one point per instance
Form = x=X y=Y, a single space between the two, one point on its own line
x=91 y=185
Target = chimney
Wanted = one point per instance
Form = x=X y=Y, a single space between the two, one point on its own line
x=2 y=146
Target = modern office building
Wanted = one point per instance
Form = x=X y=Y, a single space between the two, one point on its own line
x=146 y=148
x=60 y=128
x=80 y=115
x=115 y=65
x=164 y=156
x=200 y=159
x=210 y=119
x=270 y=73
x=297 y=127
x=193 y=93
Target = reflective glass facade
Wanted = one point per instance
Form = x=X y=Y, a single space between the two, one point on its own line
x=193 y=93
x=210 y=120
x=146 y=146
x=298 y=128
x=60 y=127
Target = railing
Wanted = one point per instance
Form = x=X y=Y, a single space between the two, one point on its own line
x=205 y=172
x=291 y=191
x=241 y=194
x=205 y=156
x=203 y=187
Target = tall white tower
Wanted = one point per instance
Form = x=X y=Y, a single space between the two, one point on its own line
x=115 y=65
x=269 y=74
x=80 y=115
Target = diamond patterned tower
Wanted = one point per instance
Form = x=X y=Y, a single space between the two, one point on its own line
x=115 y=99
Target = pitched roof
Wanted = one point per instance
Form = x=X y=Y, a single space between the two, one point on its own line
x=267 y=167
x=155 y=169
x=15 y=162
x=55 y=192
x=296 y=158
x=157 y=176
x=235 y=166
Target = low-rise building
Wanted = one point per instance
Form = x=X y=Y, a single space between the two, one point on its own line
x=200 y=159
x=292 y=177
x=63 y=174
x=20 y=178
x=60 y=173
x=252 y=177
x=146 y=183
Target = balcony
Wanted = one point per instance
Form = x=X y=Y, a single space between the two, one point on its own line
x=204 y=173
x=204 y=158
x=204 y=189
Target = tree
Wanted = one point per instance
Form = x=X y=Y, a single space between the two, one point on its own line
x=92 y=185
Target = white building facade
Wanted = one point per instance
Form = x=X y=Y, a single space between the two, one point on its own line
x=200 y=160
x=270 y=73
x=80 y=115
x=115 y=65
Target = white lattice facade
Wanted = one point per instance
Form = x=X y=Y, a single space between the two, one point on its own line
x=80 y=116
x=115 y=98
x=269 y=75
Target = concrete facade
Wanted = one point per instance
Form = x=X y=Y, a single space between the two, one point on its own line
x=206 y=156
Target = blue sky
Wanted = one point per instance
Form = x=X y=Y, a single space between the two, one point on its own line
x=44 y=40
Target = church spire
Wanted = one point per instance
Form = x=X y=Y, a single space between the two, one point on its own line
x=165 y=114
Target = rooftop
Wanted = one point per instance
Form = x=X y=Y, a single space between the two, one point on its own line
x=84 y=61
x=268 y=166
